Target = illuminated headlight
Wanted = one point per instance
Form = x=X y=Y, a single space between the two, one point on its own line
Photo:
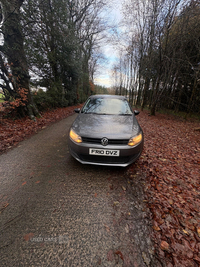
x=135 y=140
x=75 y=137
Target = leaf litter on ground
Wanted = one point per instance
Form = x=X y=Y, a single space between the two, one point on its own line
x=171 y=164
x=13 y=131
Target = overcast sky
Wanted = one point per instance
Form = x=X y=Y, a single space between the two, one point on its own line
x=104 y=73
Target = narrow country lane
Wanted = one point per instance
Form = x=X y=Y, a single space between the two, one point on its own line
x=56 y=212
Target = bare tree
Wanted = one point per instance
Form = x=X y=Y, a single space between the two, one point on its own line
x=151 y=24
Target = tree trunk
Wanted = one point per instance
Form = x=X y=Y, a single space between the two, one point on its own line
x=191 y=102
x=146 y=88
x=13 y=49
x=138 y=101
x=155 y=96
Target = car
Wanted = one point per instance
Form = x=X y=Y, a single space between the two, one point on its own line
x=106 y=132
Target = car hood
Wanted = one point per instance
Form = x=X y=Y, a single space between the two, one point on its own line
x=110 y=126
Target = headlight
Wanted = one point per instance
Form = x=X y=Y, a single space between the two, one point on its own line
x=75 y=137
x=135 y=140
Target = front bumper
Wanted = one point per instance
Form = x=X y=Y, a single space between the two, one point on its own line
x=127 y=156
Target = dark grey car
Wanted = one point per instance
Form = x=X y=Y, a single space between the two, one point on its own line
x=106 y=132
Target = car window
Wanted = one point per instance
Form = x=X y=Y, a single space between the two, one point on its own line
x=107 y=106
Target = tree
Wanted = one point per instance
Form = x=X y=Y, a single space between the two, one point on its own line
x=54 y=42
x=61 y=37
x=14 y=67
x=163 y=49
x=183 y=54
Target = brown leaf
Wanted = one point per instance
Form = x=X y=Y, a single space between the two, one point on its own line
x=197 y=259
x=156 y=228
x=120 y=254
x=3 y=206
x=185 y=232
x=107 y=228
x=27 y=237
x=171 y=202
x=164 y=245
x=198 y=231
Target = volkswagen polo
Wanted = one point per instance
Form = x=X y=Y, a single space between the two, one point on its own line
x=106 y=132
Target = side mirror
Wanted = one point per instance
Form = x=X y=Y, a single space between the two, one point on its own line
x=77 y=110
x=136 y=112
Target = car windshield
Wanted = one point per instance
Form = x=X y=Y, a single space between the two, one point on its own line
x=107 y=106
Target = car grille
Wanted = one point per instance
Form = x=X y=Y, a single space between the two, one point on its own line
x=110 y=141
x=107 y=160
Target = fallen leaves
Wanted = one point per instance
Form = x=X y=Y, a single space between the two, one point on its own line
x=185 y=232
x=3 y=206
x=107 y=228
x=14 y=131
x=28 y=236
x=164 y=245
x=170 y=163
x=197 y=129
x=198 y=231
x=120 y=254
x=156 y=227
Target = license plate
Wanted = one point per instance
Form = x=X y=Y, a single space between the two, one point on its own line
x=104 y=152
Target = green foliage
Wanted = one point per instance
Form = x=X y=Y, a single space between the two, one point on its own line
x=1 y=98
x=5 y=96
x=59 y=44
x=50 y=99
x=55 y=41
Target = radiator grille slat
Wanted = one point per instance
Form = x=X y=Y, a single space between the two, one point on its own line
x=110 y=141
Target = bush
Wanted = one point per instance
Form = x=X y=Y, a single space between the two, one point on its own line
x=49 y=99
x=42 y=100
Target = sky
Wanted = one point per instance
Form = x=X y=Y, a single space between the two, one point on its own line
x=104 y=76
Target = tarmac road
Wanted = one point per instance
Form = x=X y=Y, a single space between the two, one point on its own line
x=56 y=212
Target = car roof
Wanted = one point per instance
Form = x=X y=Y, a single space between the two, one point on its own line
x=108 y=96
